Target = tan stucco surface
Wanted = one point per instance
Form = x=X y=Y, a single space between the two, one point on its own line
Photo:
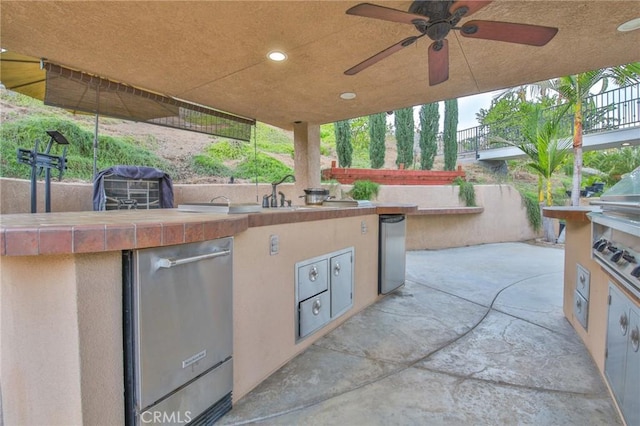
x=264 y=287
x=61 y=358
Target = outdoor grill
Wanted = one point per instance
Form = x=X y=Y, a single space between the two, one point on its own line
x=616 y=232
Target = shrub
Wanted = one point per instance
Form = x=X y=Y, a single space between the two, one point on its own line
x=467 y=192
x=364 y=190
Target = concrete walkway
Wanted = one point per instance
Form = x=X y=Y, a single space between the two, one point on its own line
x=477 y=336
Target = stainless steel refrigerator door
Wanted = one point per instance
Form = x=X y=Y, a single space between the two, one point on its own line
x=392 y=252
x=183 y=307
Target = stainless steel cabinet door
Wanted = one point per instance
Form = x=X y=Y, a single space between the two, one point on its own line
x=617 y=337
x=183 y=304
x=631 y=403
x=341 y=283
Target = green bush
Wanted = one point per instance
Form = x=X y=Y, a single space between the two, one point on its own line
x=531 y=204
x=111 y=151
x=206 y=165
x=467 y=192
x=364 y=190
x=267 y=168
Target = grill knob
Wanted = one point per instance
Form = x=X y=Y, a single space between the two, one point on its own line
x=617 y=256
x=636 y=272
x=628 y=257
x=597 y=243
x=601 y=246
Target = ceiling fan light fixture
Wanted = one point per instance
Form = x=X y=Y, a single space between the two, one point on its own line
x=347 y=96
x=631 y=25
x=277 y=56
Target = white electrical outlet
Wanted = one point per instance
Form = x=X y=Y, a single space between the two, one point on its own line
x=363 y=227
x=274 y=245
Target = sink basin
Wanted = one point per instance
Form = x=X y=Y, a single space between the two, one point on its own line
x=221 y=207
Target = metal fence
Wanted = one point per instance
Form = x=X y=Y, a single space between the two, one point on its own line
x=611 y=110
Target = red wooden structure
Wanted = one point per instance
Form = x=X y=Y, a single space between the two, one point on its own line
x=393 y=177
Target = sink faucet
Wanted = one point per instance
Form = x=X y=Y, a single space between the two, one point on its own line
x=274 y=191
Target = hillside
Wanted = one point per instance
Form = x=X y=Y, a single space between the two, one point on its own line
x=179 y=147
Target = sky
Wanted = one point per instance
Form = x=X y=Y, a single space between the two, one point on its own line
x=467 y=109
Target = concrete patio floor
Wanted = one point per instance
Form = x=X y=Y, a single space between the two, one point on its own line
x=476 y=336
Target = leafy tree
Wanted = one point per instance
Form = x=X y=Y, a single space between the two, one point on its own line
x=573 y=90
x=404 y=136
x=450 y=134
x=359 y=133
x=429 y=122
x=344 y=148
x=377 y=133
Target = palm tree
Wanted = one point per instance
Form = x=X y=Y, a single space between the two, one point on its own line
x=573 y=90
x=546 y=151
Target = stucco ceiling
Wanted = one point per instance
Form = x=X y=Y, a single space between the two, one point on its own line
x=214 y=52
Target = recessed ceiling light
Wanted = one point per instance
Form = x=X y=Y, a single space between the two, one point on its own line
x=631 y=25
x=277 y=56
x=2 y=50
x=347 y=95
x=626 y=144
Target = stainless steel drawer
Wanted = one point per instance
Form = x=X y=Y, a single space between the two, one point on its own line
x=583 y=278
x=314 y=313
x=312 y=279
x=580 y=308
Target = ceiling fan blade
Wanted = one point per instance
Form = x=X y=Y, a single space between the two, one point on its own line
x=534 y=35
x=472 y=6
x=381 y=55
x=385 y=13
x=438 y=62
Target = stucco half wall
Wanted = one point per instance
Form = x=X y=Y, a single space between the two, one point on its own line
x=503 y=219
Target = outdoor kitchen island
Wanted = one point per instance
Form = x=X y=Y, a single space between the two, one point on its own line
x=600 y=301
x=61 y=323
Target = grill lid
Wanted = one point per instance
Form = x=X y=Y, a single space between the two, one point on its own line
x=623 y=199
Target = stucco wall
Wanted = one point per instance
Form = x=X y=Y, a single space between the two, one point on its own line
x=264 y=294
x=61 y=355
x=503 y=219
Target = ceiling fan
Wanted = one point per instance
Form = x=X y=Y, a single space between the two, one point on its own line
x=434 y=19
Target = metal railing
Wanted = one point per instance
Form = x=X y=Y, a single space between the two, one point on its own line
x=611 y=110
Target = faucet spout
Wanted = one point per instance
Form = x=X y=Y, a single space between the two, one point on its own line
x=283 y=179
x=274 y=191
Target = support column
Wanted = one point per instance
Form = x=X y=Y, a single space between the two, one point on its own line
x=306 y=145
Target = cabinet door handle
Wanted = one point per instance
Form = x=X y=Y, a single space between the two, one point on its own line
x=313 y=273
x=170 y=263
x=579 y=305
x=624 y=323
x=582 y=279
x=315 y=308
x=336 y=269
x=635 y=339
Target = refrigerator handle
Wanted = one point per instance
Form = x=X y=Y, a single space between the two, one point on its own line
x=170 y=263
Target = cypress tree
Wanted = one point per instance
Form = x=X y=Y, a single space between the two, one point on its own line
x=404 y=136
x=429 y=122
x=344 y=148
x=450 y=134
x=377 y=133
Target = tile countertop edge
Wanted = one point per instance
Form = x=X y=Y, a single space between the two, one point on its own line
x=94 y=232
x=571 y=213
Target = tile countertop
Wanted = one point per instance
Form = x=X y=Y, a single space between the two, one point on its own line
x=92 y=232
x=571 y=213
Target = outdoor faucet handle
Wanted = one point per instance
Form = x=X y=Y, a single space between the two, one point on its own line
x=221 y=196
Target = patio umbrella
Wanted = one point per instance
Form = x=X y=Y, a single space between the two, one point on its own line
x=78 y=91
